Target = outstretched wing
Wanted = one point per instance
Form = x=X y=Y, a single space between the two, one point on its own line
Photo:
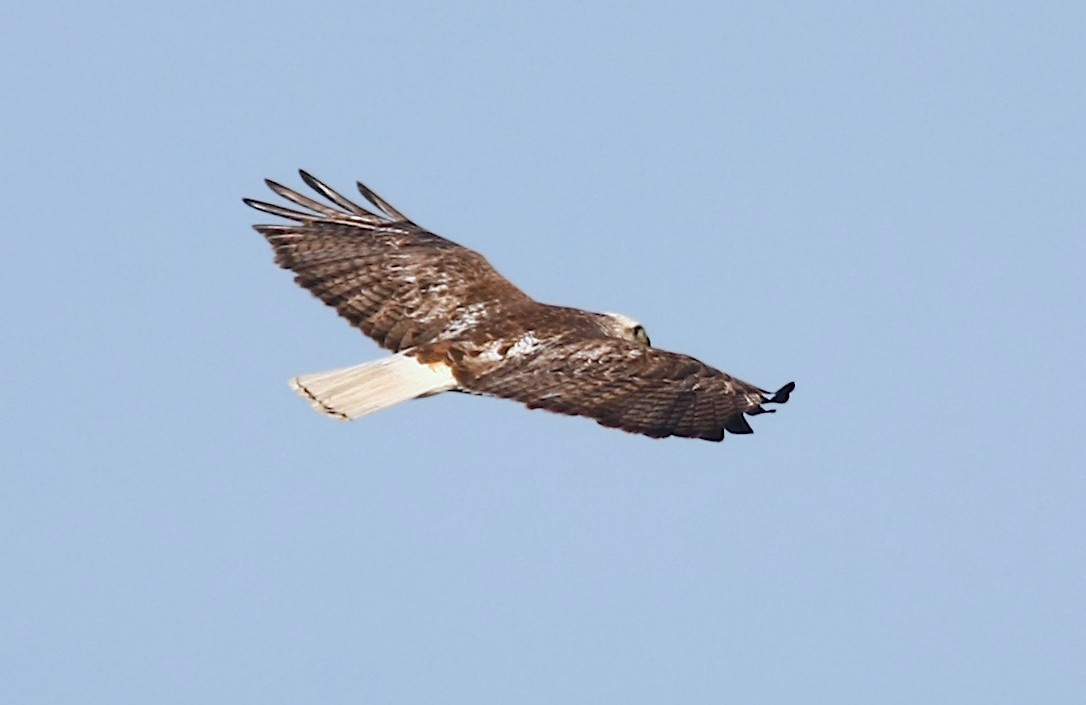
x=629 y=386
x=400 y=284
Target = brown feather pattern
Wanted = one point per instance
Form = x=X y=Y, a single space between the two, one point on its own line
x=621 y=384
x=398 y=283
x=410 y=289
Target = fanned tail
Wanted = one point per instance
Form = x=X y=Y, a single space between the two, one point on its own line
x=352 y=392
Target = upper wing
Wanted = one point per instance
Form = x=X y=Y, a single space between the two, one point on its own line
x=629 y=386
x=399 y=283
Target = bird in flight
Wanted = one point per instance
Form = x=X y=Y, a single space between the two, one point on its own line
x=453 y=323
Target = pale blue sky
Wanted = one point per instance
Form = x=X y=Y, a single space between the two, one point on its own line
x=881 y=201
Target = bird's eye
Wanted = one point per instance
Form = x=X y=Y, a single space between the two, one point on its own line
x=641 y=336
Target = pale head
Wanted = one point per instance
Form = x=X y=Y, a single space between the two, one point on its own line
x=626 y=328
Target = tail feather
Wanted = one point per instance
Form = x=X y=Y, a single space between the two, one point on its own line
x=352 y=392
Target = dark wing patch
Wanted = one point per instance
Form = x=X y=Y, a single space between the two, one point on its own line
x=625 y=385
x=400 y=284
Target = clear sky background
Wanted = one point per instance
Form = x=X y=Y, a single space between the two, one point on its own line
x=881 y=201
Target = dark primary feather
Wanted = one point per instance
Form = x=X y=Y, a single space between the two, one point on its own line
x=400 y=284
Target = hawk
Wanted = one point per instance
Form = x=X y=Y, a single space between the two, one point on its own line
x=453 y=323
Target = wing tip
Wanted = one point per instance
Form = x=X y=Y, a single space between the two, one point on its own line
x=311 y=181
x=738 y=425
x=781 y=395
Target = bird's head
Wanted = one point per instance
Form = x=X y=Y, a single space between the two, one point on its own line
x=626 y=328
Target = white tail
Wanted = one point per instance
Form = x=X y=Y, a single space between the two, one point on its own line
x=363 y=389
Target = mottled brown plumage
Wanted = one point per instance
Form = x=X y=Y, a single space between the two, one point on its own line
x=443 y=305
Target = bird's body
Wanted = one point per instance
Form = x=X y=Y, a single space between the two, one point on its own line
x=455 y=324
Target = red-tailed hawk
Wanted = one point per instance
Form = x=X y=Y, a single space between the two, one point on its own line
x=455 y=324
